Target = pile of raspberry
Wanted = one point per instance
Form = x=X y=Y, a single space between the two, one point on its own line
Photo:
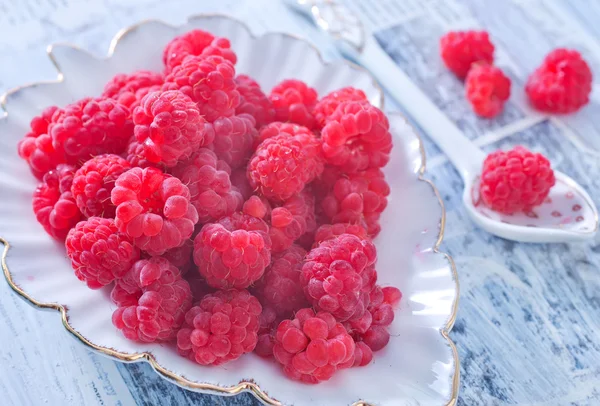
x=222 y=219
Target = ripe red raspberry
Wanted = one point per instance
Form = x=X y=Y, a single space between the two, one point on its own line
x=154 y=209
x=153 y=299
x=135 y=155
x=181 y=256
x=253 y=101
x=37 y=149
x=461 y=49
x=196 y=42
x=293 y=101
x=233 y=252
x=562 y=84
x=99 y=253
x=292 y=220
x=258 y=207
x=53 y=202
x=211 y=191
x=514 y=181
x=208 y=80
x=169 y=126
x=327 y=105
x=277 y=128
x=312 y=347
x=330 y=231
x=356 y=137
x=339 y=274
x=233 y=138
x=221 y=328
x=93 y=183
x=126 y=88
x=487 y=89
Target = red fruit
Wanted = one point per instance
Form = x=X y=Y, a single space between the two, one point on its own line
x=53 y=202
x=128 y=89
x=562 y=84
x=330 y=231
x=233 y=252
x=154 y=209
x=181 y=256
x=487 y=89
x=376 y=337
x=461 y=49
x=363 y=355
x=253 y=101
x=136 y=156
x=258 y=207
x=196 y=42
x=278 y=128
x=221 y=328
x=99 y=253
x=233 y=138
x=293 y=101
x=93 y=183
x=292 y=220
x=392 y=295
x=517 y=180
x=327 y=105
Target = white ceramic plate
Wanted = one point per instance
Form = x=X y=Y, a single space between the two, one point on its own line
x=420 y=364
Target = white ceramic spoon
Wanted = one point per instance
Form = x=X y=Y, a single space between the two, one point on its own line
x=568 y=214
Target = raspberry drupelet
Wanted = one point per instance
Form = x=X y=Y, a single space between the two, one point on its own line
x=209 y=81
x=211 y=191
x=93 y=183
x=253 y=101
x=53 y=203
x=339 y=274
x=517 y=180
x=154 y=209
x=356 y=137
x=153 y=299
x=196 y=42
x=233 y=252
x=562 y=84
x=312 y=347
x=233 y=138
x=99 y=253
x=293 y=101
x=292 y=220
x=129 y=88
x=461 y=49
x=487 y=89
x=257 y=206
x=240 y=181
x=136 y=156
x=330 y=231
x=327 y=105
x=221 y=328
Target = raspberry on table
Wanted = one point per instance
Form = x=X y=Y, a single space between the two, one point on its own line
x=221 y=328
x=53 y=203
x=561 y=84
x=93 y=183
x=196 y=42
x=233 y=138
x=153 y=299
x=327 y=105
x=487 y=89
x=211 y=191
x=339 y=274
x=357 y=137
x=209 y=81
x=312 y=347
x=233 y=252
x=461 y=49
x=330 y=231
x=292 y=220
x=99 y=253
x=516 y=180
x=153 y=209
x=126 y=88
x=253 y=101
x=293 y=101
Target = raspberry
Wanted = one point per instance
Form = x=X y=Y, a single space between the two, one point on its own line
x=357 y=198
x=376 y=337
x=283 y=165
x=356 y=137
x=93 y=183
x=127 y=88
x=253 y=101
x=209 y=82
x=487 y=89
x=91 y=127
x=514 y=181
x=363 y=355
x=292 y=220
x=277 y=128
x=154 y=209
x=338 y=275
x=153 y=299
x=562 y=84
x=392 y=295
x=312 y=347
x=293 y=101
x=461 y=49
x=256 y=206
x=233 y=252
x=37 y=149
x=135 y=155
x=211 y=191
x=53 y=202
x=330 y=231
x=240 y=181
x=327 y=105
x=221 y=328
x=99 y=253
x=181 y=256
x=233 y=138
x=196 y=42
x=280 y=288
